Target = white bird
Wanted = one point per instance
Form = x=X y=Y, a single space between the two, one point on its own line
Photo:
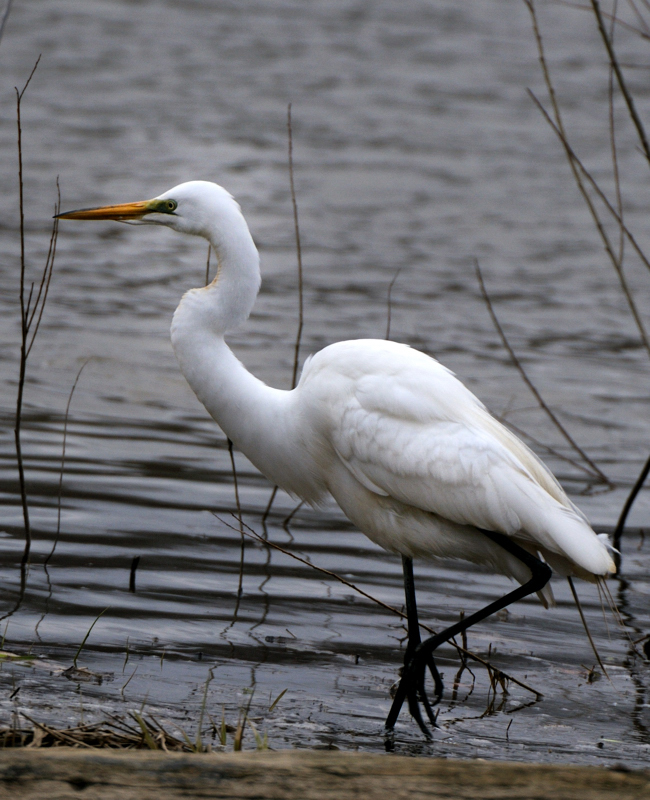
x=411 y=456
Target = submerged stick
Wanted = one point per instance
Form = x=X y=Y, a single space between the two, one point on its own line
x=134 y=567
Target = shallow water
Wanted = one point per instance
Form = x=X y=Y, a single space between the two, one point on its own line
x=416 y=147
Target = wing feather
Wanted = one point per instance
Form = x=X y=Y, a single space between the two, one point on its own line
x=405 y=427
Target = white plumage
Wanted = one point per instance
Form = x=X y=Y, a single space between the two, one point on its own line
x=412 y=457
x=410 y=454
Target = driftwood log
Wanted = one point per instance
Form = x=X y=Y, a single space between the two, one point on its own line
x=58 y=773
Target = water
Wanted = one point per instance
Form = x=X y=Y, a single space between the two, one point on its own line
x=416 y=147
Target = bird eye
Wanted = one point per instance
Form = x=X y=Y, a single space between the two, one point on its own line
x=171 y=205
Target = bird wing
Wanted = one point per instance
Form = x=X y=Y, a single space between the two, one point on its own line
x=407 y=428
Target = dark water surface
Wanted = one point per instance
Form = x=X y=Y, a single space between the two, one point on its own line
x=416 y=147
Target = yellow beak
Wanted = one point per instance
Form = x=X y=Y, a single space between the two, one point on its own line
x=119 y=212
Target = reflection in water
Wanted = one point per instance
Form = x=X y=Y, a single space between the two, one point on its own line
x=634 y=661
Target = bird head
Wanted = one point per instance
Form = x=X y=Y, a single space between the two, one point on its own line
x=190 y=207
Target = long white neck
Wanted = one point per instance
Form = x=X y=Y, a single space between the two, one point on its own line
x=259 y=420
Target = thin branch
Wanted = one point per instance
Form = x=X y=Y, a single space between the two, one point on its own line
x=23 y=331
x=639 y=16
x=614 y=19
x=5 y=16
x=44 y=287
x=621 y=80
x=269 y=505
x=389 y=304
x=577 y=163
x=612 y=143
x=296 y=350
x=576 y=168
x=584 y=625
x=294 y=203
x=627 y=507
x=287 y=520
x=592 y=182
x=63 y=446
x=31 y=75
x=529 y=383
x=550 y=450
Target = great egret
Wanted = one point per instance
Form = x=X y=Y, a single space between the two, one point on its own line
x=412 y=457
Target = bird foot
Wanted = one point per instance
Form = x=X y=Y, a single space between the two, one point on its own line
x=412 y=689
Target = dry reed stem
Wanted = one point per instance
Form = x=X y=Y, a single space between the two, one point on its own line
x=113 y=733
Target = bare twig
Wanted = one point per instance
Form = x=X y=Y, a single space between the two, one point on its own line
x=576 y=164
x=389 y=304
x=629 y=100
x=529 y=383
x=269 y=505
x=578 y=170
x=44 y=287
x=627 y=507
x=612 y=144
x=296 y=356
x=24 y=329
x=550 y=450
x=63 y=446
x=5 y=16
x=287 y=520
x=296 y=349
x=584 y=625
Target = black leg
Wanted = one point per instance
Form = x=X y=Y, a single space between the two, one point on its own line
x=416 y=692
x=411 y=686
